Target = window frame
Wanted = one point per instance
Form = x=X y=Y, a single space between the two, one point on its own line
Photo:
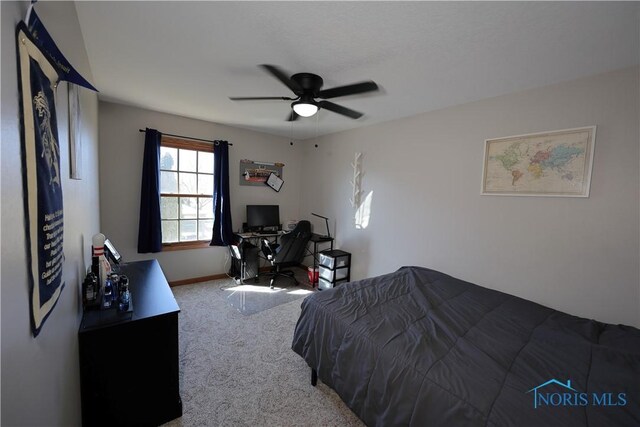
x=179 y=143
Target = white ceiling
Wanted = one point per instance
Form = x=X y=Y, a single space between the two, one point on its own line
x=187 y=58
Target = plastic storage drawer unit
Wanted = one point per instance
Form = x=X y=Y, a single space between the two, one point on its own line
x=334 y=269
x=325 y=284
x=333 y=275
x=334 y=258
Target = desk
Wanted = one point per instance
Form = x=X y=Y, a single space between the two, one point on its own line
x=248 y=249
x=250 y=236
x=317 y=239
x=129 y=368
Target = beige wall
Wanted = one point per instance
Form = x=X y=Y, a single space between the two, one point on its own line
x=40 y=376
x=121 y=148
x=573 y=254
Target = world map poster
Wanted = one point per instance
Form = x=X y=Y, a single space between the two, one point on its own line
x=556 y=163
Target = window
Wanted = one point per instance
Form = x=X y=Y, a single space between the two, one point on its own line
x=186 y=192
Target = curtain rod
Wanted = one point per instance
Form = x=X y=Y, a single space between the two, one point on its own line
x=186 y=137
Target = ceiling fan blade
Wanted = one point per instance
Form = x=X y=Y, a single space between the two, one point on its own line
x=293 y=116
x=282 y=76
x=351 y=89
x=340 y=109
x=258 y=98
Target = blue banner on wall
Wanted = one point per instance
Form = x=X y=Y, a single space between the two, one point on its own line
x=41 y=176
x=43 y=40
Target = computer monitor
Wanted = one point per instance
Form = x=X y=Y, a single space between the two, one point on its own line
x=260 y=216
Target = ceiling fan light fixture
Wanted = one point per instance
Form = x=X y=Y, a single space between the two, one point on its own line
x=307 y=87
x=305 y=108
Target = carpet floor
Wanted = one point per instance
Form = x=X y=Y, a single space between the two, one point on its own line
x=236 y=365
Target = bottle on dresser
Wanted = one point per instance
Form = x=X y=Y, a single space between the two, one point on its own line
x=107 y=297
x=90 y=291
x=125 y=296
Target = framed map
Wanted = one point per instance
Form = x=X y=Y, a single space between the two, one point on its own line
x=556 y=163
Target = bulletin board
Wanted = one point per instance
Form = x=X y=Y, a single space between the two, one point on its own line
x=256 y=173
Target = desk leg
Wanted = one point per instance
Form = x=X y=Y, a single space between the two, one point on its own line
x=315 y=255
x=315 y=265
x=257 y=268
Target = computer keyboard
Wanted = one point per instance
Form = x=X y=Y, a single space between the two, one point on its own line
x=265 y=233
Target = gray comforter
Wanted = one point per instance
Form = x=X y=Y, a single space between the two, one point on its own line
x=417 y=347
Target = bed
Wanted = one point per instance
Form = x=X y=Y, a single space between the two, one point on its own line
x=418 y=347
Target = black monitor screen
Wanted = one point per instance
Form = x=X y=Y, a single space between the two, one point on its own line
x=263 y=215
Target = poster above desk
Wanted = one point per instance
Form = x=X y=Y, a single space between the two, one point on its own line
x=256 y=173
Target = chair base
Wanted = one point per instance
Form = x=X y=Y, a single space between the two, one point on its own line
x=281 y=273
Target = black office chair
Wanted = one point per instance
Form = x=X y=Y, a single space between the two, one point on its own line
x=290 y=251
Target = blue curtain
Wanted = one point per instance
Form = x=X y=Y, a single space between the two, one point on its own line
x=150 y=225
x=222 y=228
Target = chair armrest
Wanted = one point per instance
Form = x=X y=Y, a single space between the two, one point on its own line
x=269 y=249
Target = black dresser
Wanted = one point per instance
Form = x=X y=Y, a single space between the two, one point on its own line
x=129 y=362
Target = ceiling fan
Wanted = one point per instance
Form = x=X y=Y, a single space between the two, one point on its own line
x=307 y=87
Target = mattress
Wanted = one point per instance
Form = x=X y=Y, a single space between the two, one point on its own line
x=418 y=347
